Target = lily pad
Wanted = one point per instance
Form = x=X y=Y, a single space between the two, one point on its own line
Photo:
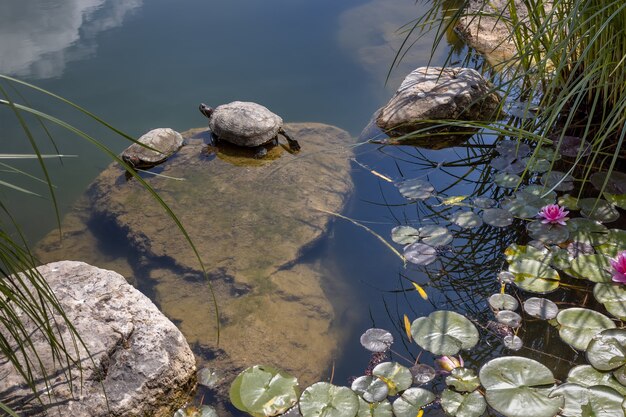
x=404 y=235
x=593 y=267
x=503 y=302
x=516 y=387
x=616 y=241
x=588 y=376
x=598 y=209
x=613 y=296
x=497 y=217
x=515 y=252
x=587 y=231
x=466 y=219
x=416 y=189
x=579 y=325
x=519 y=207
x=509 y=318
x=193 y=411
x=512 y=148
x=376 y=340
x=463 y=379
x=537 y=165
x=411 y=402
x=617 y=199
x=512 y=342
x=397 y=377
x=589 y=401
x=463 y=405
x=557 y=180
x=372 y=389
x=208 y=377
x=607 y=350
x=420 y=254
x=444 y=332
x=572 y=146
x=534 y=276
x=541 y=308
x=264 y=391
x=483 y=202
x=506 y=180
x=435 y=236
x=547 y=233
x=327 y=400
x=568 y=201
x=507 y=164
x=615 y=183
x=422 y=373
x=380 y=409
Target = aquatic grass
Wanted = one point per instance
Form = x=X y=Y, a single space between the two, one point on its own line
x=22 y=288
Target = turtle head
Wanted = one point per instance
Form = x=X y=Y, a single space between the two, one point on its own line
x=206 y=110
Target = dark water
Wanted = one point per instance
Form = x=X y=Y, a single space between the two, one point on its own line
x=141 y=65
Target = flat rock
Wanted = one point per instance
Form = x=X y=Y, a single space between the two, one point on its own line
x=251 y=221
x=435 y=93
x=139 y=357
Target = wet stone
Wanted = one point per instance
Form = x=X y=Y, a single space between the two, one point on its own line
x=250 y=221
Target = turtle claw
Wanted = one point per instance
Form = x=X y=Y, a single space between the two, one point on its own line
x=294 y=146
x=261 y=152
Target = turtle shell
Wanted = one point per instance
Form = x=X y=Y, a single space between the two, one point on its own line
x=165 y=140
x=244 y=123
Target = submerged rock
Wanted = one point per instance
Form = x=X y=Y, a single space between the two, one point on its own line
x=164 y=143
x=250 y=220
x=139 y=358
x=435 y=93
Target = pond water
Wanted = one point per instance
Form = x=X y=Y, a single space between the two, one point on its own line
x=141 y=65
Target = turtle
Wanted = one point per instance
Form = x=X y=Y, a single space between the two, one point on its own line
x=247 y=124
x=153 y=148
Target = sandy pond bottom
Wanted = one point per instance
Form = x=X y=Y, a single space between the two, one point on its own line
x=251 y=221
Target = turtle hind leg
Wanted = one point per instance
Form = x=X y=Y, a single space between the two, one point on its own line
x=293 y=144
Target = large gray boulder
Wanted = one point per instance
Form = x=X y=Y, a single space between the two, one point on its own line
x=435 y=93
x=139 y=358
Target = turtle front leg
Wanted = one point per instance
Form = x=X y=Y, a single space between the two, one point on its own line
x=293 y=144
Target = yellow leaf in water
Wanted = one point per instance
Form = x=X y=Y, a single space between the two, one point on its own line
x=451 y=201
x=420 y=413
x=421 y=291
x=407 y=327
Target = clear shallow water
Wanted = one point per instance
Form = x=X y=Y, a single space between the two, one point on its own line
x=141 y=65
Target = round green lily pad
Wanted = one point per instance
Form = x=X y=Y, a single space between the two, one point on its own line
x=598 y=209
x=380 y=409
x=193 y=411
x=579 y=325
x=376 y=340
x=588 y=376
x=327 y=400
x=420 y=253
x=512 y=342
x=607 y=350
x=515 y=252
x=613 y=296
x=404 y=235
x=372 y=389
x=463 y=379
x=411 y=401
x=541 y=308
x=497 y=217
x=444 y=332
x=516 y=387
x=587 y=231
x=506 y=180
x=463 y=405
x=509 y=318
x=397 y=377
x=557 y=180
x=416 y=189
x=589 y=401
x=547 y=233
x=483 y=202
x=503 y=302
x=594 y=267
x=422 y=373
x=435 y=236
x=615 y=243
x=264 y=391
x=466 y=219
x=534 y=276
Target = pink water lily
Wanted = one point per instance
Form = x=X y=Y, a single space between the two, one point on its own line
x=619 y=268
x=553 y=214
